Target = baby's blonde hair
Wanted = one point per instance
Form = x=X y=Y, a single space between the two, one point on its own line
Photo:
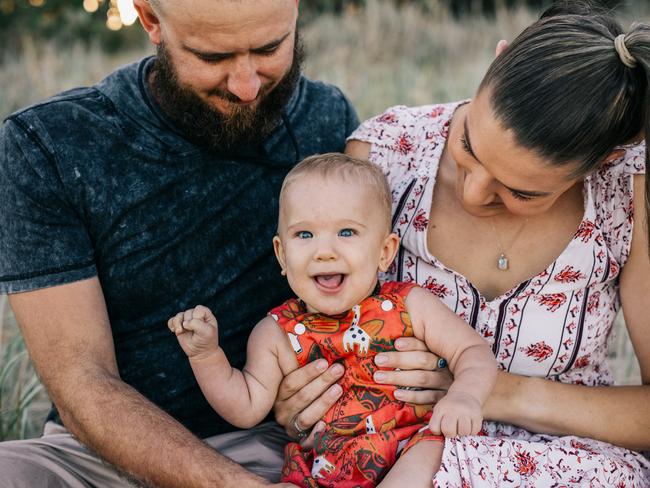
x=347 y=168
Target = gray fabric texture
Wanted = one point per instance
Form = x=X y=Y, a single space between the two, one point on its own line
x=58 y=460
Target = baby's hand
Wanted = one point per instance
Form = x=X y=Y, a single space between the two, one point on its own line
x=456 y=414
x=196 y=330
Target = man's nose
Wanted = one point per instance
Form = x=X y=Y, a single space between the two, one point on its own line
x=243 y=81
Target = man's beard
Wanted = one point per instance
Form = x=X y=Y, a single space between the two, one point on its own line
x=205 y=125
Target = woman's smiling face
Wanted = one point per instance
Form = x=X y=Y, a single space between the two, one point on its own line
x=496 y=175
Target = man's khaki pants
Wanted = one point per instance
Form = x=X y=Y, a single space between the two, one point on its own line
x=58 y=460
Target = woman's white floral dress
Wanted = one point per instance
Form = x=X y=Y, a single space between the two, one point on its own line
x=555 y=325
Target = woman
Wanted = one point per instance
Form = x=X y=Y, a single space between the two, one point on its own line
x=488 y=195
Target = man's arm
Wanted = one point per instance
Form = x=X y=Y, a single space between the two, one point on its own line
x=67 y=332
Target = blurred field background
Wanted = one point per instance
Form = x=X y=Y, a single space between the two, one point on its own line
x=381 y=53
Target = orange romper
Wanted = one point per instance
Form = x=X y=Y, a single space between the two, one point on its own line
x=367 y=428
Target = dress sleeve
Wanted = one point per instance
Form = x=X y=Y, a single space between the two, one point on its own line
x=613 y=193
x=395 y=138
x=43 y=241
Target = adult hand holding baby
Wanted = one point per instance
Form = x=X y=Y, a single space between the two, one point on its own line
x=306 y=394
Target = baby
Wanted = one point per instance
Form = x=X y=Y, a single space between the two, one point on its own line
x=334 y=237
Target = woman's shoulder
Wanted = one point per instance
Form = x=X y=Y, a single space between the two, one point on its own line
x=612 y=192
x=630 y=160
x=401 y=127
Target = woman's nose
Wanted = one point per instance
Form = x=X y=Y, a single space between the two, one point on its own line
x=478 y=188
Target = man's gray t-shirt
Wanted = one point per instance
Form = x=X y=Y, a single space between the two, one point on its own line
x=95 y=182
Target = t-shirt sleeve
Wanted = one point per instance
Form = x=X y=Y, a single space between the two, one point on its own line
x=43 y=240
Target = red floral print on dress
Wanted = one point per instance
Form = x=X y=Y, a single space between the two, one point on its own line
x=388 y=118
x=437 y=111
x=568 y=275
x=582 y=361
x=593 y=302
x=540 y=351
x=404 y=144
x=585 y=231
x=438 y=289
x=525 y=463
x=420 y=222
x=552 y=301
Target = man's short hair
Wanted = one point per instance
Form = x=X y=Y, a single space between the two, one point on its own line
x=347 y=168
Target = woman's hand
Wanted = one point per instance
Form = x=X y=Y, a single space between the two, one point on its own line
x=415 y=367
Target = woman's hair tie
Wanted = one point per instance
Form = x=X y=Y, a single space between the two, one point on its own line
x=627 y=59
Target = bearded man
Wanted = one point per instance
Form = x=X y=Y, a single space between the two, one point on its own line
x=127 y=201
x=148 y=193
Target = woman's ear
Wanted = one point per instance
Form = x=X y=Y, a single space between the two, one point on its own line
x=388 y=252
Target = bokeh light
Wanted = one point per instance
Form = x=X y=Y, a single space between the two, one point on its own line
x=37 y=3
x=128 y=15
x=91 y=6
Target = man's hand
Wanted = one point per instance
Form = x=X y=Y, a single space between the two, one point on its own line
x=196 y=330
x=413 y=366
x=456 y=414
x=305 y=395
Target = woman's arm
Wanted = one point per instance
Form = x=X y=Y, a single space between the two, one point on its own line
x=619 y=414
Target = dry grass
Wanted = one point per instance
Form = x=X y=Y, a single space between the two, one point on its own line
x=379 y=57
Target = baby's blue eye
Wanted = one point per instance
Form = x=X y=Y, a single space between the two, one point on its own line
x=304 y=234
x=346 y=233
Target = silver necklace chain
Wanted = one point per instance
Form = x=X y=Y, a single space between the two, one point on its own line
x=503 y=262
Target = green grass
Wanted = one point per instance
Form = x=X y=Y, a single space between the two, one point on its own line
x=379 y=57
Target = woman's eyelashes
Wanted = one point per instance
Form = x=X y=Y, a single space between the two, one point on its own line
x=514 y=193
x=520 y=196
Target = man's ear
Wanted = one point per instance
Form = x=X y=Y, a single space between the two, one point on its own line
x=149 y=20
x=279 y=254
x=388 y=252
x=502 y=45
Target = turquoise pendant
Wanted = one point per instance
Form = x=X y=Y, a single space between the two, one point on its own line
x=502 y=262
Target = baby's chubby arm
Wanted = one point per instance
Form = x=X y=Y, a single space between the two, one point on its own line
x=469 y=358
x=243 y=398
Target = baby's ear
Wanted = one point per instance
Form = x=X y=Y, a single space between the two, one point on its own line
x=279 y=253
x=388 y=252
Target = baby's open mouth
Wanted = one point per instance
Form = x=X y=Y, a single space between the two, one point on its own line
x=329 y=281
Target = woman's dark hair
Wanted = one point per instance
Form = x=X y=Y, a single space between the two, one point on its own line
x=565 y=92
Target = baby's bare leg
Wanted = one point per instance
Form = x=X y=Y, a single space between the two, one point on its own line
x=416 y=467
